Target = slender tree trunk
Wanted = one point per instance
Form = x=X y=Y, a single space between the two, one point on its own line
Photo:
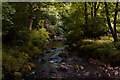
x=116 y=12
x=92 y=9
x=31 y=22
x=108 y=20
x=95 y=9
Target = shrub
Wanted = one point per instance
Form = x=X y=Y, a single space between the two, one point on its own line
x=9 y=62
x=117 y=45
x=20 y=54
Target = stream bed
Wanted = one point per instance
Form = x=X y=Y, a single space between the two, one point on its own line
x=52 y=65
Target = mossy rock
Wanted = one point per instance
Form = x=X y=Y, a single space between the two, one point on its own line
x=26 y=69
x=75 y=67
x=63 y=54
x=17 y=74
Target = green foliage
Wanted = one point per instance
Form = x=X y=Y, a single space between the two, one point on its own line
x=7 y=10
x=9 y=62
x=75 y=27
x=63 y=54
x=75 y=35
x=117 y=45
x=7 y=20
x=95 y=27
x=103 y=49
x=38 y=37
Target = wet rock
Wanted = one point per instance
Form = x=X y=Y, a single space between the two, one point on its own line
x=81 y=67
x=63 y=68
x=33 y=72
x=116 y=68
x=78 y=75
x=56 y=67
x=87 y=74
x=109 y=74
x=106 y=70
x=51 y=61
x=63 y=63
x=110 y=68
x=39 y=59
x=70 y=59
x=69 y=65
x=116 y=73
x=65 y=76
x=99 y=75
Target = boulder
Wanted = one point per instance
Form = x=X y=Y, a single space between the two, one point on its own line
x=63 y=54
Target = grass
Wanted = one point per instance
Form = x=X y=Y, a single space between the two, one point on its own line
x=104 y=49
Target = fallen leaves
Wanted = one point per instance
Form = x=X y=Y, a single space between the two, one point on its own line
x=111 y=71
x=63 y=68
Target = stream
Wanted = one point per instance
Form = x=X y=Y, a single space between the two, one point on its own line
x=52 y=65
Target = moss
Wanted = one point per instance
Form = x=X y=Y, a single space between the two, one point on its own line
x=16 y=74
x=75 y=67
x=64 y=54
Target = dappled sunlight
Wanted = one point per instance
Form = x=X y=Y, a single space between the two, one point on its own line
x=51 y=40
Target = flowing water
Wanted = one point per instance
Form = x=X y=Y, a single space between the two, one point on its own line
x=51 y=65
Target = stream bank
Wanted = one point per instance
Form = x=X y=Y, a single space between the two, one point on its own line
x=57 y=63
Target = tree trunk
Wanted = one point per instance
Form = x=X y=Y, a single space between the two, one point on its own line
x=31 y=22
x=116 y=12
x=96 y=9
x=92 y=9
x=108 y=20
